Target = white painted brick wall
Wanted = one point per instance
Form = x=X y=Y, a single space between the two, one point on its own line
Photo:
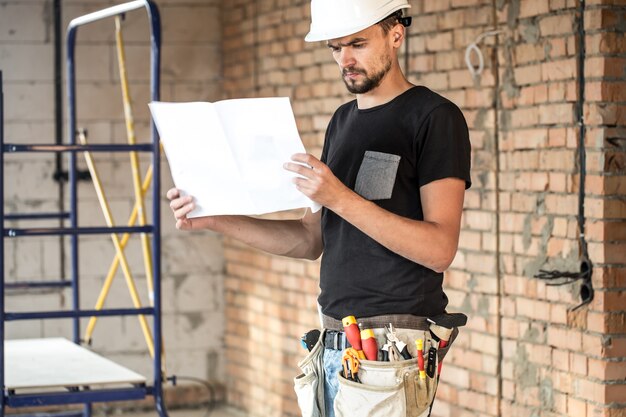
x=192 y=263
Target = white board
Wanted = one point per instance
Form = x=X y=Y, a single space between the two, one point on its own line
x=57 y=362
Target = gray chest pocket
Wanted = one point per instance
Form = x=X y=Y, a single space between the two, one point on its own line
x=377 y=175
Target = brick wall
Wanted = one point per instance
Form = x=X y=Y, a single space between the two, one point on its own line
x=192 y=264
x=525 y=351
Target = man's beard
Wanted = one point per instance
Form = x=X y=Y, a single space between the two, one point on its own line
x=369 y=82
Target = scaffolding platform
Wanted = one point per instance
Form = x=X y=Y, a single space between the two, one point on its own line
x=60 y=363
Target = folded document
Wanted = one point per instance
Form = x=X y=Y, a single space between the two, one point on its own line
x=229 y=155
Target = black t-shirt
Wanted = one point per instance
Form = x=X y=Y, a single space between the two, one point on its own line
x=386 y=153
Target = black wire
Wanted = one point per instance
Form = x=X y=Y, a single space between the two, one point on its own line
x=555 y=274
x=582 y=154
x=212 y=405
x=584 y=275
x=568 y=277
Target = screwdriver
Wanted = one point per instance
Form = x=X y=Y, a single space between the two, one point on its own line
x=419 y=344
x=370 y=347
x=442 y=344
x=353 y=334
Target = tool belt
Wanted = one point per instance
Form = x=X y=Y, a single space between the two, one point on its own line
x=336 y=340
x=400 y=388
x=400 y=321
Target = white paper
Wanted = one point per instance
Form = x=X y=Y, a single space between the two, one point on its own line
x=229 y=155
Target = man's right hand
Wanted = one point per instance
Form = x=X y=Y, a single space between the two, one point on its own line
x=181 y=207
x=301 y=238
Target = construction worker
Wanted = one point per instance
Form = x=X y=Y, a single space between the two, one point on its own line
x=391 y=180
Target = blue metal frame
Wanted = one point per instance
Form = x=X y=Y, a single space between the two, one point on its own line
x=60 y=414
x=77 y=397
x=77 y=148
x=37 y=216
x=2 y=395
x=78 y=314
x=74 y=231
x=37 y=284
x=84 y=395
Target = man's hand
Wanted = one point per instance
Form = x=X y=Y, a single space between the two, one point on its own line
x=431 y=242
x=319 y=183
x=300 y=238
x=181 y=207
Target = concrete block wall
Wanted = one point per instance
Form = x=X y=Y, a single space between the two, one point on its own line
x=192 y=275
x=525 y=351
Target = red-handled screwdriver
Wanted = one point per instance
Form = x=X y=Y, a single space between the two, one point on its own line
x=419 y=344
x=353 y=334
x=370 y=347
x=442 y=344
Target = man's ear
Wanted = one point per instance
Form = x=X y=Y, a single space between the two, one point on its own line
x=397 y=35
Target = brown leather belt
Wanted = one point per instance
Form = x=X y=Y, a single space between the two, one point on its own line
x=400 y=321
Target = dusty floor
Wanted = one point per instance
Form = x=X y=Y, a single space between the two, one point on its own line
x=218 y=412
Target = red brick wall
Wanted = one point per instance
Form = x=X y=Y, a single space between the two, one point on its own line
x=524 y=351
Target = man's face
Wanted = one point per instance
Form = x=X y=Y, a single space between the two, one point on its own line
x=364 y=58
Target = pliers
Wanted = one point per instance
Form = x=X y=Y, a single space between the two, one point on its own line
x=397 y=349
x=350 y=361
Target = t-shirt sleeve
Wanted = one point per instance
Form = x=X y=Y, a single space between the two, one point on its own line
x=443 y=146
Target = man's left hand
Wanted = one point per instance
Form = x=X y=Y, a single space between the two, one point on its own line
x=317 y=180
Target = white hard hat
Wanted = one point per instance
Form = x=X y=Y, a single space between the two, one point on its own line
x=332 y=19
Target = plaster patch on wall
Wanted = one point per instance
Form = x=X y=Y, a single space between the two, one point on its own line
x=513 y=13
x=526 y=372
x=531 y=334
x=195 y=319
x=541 y=261
x=482 y=309
x=546 y=394
x=547 y=49
x=530 y=31
x=47 y=16
x=466 y=306
x=508 y=79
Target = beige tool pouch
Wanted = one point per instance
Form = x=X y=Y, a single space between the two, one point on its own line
x=309 y=385
x=388 y=389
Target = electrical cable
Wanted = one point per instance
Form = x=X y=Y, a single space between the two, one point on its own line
x=568 y=277
x=212 y=404
x=584 y=275
x=473 y=47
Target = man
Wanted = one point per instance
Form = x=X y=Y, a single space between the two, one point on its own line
x=391 y=180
